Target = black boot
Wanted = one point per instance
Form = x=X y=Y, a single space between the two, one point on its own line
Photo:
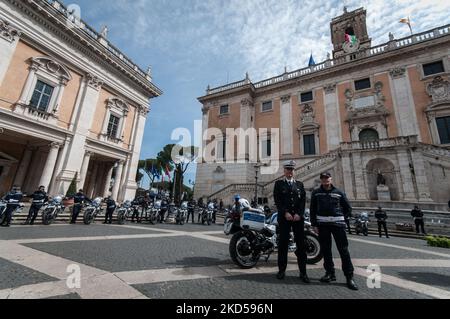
x=351 y=284
x=328 y=278
x=305 y=278
x=281 y=275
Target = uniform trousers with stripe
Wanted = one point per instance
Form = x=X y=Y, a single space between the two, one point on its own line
x=326 y=231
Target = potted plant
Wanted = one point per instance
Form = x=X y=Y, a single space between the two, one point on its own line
x=71 y=191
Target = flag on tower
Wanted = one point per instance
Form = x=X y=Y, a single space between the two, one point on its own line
x=311 y=61
x=408 y=22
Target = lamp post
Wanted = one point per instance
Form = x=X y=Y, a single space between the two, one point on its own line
x=257 y=167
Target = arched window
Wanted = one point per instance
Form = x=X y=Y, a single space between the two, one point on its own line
x=349 y=31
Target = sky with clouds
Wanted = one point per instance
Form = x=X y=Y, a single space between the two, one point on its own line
x=193 y=43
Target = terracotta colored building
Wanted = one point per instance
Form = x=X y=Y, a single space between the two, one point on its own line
x=71 y=104
x=377 y=117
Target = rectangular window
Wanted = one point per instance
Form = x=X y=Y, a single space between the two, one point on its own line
x=267 y=106
x=443 y=125
x=224 y=149
x=224 y=109
x=433 y=68
x=267 y=148
x=306 y=97
x=41 y=96
x=309 y=144
x=113 y=126
x=362 y=84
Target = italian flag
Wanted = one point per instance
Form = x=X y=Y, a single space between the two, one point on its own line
x=350 y=38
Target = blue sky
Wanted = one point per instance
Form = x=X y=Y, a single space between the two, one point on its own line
x=193 y=43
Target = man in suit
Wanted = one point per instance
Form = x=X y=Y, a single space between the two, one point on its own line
x=290 y=199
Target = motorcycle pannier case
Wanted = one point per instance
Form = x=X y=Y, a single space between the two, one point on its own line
x=253 y=221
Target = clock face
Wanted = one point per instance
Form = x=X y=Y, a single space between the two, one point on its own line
x=350 y=47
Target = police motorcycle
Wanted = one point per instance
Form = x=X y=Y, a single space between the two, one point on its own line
x=3 y=206
x=92 y=210
x=52 y=209
x=124 y=211
x=180 y=219
x=163 y=208
x=255 y=233
x=362 y=224
x=207 y=214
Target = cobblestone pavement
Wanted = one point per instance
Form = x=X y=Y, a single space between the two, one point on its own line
x=137 y=261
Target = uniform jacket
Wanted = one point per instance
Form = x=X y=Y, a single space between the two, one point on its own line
x=80 y=198
x=417 y=214
x=329 y=207
x=380 y=215
x=39 y=198
x=289 y=199
x=110 y=204
x=13 y=199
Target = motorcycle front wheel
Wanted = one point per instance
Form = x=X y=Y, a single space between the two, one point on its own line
x=241 y=251
x=87 y=218
x=2 y=218
x=121 y=218
x=47 y=218
x=153 y=219
x=313 y=250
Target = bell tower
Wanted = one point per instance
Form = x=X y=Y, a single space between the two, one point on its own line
x=354 y=25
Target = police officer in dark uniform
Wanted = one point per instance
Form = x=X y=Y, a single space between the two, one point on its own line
x=290 y=199
x=329 y=210
x=137 y=203
x=12 y=199
x=381 y=217
x=40 y=198
x=110 y=208
x=79 y=200
x=417 y=214
x=191 y=210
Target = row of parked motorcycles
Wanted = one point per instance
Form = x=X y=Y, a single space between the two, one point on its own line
x=154 y=212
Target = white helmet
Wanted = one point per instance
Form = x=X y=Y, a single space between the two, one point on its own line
x=244 y=203
x=97 y=201
x=57 y=199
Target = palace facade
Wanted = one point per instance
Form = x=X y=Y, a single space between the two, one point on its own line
x=377 y=117
x=72 y=106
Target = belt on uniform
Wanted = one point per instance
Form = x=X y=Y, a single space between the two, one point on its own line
x=38 y=201
x=330 y=219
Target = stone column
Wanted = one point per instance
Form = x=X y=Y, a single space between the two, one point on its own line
x=361 y=193
x=332 y=117
x=287 y=146
x=27 y=88
x=108 y=180
x=23 y=168
x=348 y=179
x=92 y=179
x=118 y=180
x=49 y=167
x=84 y=168
x=423 y=187
x=9 y=37
x=407 y=182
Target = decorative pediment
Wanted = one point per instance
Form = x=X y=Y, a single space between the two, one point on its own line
x=52 y=67
x=439 y=90
x=119 y=105
x=365 y=106
x=308 y=114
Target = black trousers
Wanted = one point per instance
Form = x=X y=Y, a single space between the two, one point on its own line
x=32 y=213
x=340 y=237
x=109 y=215
x=75 y=212
x=190 y=212
x=299 y=236
x=384 y=225
x=8 y=214
x=135 y=215
x=420 y=225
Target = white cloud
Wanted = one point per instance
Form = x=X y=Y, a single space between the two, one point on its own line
x=258 y=36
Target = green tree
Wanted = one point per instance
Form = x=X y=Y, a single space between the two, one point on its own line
x=178 y=159
x=73 y=186
x=152 y=168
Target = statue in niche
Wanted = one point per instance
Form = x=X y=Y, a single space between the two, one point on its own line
x=380 y=179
